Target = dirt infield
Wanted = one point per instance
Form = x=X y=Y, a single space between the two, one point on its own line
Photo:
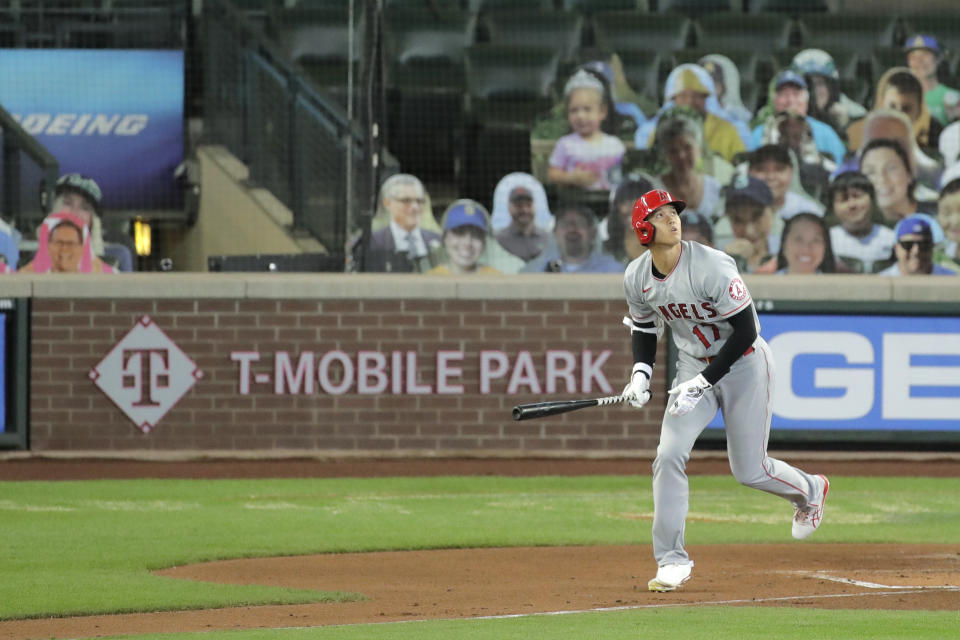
x=497 y=582
x=714 y=462
x=467 y=583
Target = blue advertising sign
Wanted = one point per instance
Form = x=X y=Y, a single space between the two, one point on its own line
x=3 y=371
x=836 y=372
x=116 y=116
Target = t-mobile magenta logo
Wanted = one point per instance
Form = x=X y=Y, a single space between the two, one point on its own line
x=145 y=374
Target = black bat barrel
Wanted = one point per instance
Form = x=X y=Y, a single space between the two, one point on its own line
x=542 y=409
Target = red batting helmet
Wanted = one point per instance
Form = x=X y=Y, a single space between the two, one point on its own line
x=647 y=204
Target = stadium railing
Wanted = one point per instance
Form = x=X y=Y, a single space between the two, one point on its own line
x=26 y=163
x=298 y=142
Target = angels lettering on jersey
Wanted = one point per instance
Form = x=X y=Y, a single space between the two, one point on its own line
x=696 y=298
x=702 y=311
x=687 y=311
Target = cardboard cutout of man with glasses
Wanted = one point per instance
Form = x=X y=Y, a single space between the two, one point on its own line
x=403 y=246
x=917 y=237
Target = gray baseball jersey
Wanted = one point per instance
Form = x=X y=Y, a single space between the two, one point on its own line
x=695 y=299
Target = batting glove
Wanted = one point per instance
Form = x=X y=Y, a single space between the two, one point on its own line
x=637 y=391
x=690 y=393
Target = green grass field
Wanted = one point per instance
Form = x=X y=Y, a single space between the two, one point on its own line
x=88 y=547
x=688 y=624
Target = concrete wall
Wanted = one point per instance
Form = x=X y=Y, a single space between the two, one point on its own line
x=234 y=219
x=217 y=321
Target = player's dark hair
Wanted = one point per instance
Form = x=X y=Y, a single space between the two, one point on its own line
x=890 y=143
x=829 y=263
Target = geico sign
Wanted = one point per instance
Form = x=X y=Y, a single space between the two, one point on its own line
x=857 y=383
x=398 y=372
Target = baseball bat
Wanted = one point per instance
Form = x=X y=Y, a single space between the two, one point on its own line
x=552 y=408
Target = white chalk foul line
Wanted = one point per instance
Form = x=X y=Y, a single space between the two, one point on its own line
x=635 y=607
x=631 y=607
x=875 y=585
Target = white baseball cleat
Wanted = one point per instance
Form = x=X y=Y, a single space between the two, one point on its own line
x=670 y=576
x=807 y=519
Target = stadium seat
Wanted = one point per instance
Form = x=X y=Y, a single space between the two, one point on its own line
x=694 y=8
x=119 y=256
x=507 y=88
x=762 y=31
x=858 y=89
x=331 y=79
x=12 y=35
x=593 y=6
x=560 y=29
x=852 y=31
x=130 y=8
x=793 y=7
x=314 y=4
x=647 y=71
x=118 y=24
x=425 y=83
x=258 y=11
x=753 y=95
x=264 y=6
x=420 y=4
x=951 y=74
x=488 y=5
x=320 y=34
x=319 y=41
x=882 y=58
x=123 y=6
x=621 y=31
x=140 y=34
x=425 y=50
x=945 y=26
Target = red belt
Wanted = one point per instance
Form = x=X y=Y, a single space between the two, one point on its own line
x=710 y=359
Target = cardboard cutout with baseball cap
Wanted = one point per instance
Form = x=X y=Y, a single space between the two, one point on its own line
x=924 y=56
x=88 y=189
x=60 y=251
x=466 y=234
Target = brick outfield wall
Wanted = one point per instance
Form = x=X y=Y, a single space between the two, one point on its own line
x=70 y=337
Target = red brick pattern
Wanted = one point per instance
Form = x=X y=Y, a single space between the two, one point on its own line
x=69 y=337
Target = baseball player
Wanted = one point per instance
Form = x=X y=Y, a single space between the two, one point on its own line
x=723 y=363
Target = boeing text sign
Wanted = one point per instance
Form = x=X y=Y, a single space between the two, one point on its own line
x=116 y=116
